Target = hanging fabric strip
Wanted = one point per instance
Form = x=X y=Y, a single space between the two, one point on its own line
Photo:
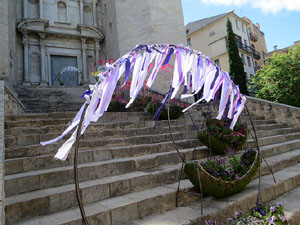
x=162 y=105
x=178 y=74
x=240 y=108
x=226 y=91
x=158 y=62
x=74 y=123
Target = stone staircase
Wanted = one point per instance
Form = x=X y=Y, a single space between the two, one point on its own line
x=45 y=99
x=129 y=171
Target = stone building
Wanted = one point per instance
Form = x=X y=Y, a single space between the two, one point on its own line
x=257 y=42
x=208 y=35
x=43 y=36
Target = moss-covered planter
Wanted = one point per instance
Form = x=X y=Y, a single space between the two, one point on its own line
x=217 y=187
x=218 y=147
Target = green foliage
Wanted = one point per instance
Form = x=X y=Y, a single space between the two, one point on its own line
x=231 y=167
x=236 y=67
x=219 y=137
x=279 y=79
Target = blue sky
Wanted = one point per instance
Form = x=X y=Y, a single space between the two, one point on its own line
x=278 y=19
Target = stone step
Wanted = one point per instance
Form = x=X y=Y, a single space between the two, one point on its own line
x=31 y=139
x=34 y=150
x=71 y=115
x=291 y=206
x=128 y=208
x=33 y=163
x=60 y=198
x=58 y=129
x=90 y=169
x=221 y=209
x=36 y=180
x=103 y=143
x=65 y=121
x=100 y=189
x=124 y=118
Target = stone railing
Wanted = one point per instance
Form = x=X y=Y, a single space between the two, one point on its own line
x=12 y=106
x=281 y=113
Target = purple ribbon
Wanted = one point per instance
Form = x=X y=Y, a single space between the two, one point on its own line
x=215 y=78
x=87 y=92
x=162 y=105
x=170 y=53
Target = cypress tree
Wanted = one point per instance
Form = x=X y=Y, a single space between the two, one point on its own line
x=236 y=66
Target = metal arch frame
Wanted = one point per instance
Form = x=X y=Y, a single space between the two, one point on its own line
x=76 y=173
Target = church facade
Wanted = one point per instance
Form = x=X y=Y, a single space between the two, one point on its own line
x=45 y=36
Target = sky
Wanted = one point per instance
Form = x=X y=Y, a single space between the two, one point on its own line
x=278 y=19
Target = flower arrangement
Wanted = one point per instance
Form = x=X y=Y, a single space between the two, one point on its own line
x=231 y=167
x=176 y=107
x=120 y=100
x=264 y=214
x=221 y=176
x=218 y=137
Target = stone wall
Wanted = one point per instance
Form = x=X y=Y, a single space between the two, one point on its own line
x=4 y=48
x=13 y=106
x=281 y=113
x=2 y=154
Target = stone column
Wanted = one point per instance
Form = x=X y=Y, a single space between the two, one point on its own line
x=84 y=60
x=81 y=11
x=43 y=59
x=97 y=49
x=41 y=9
x=26 y=59
x=25 y=9
x=94 y=12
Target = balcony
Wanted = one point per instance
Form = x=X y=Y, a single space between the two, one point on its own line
x=248 y=49
x=253 y=37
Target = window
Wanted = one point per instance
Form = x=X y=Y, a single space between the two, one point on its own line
x=211 y=33
x=245 y=41
x=243 y=59
x=216 y=61
x=249 y=61
x=243 y=27
x=237 y=24
x=189 y=43
x=61 y=11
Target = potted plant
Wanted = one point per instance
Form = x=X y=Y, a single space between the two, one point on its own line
x=218 y=137
x=223 y=176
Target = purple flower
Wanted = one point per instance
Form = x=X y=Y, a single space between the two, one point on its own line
x=272 y=208
x=236 y=214
x=270 y=220
x=283 y=218
x=229 y=220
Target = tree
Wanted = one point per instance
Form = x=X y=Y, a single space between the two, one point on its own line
x=236 y=66
x=279 y=79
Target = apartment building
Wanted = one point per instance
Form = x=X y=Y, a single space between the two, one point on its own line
x=257 y=42
x=208 y=35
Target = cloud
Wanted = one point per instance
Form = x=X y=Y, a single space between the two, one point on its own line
x=273 y=6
